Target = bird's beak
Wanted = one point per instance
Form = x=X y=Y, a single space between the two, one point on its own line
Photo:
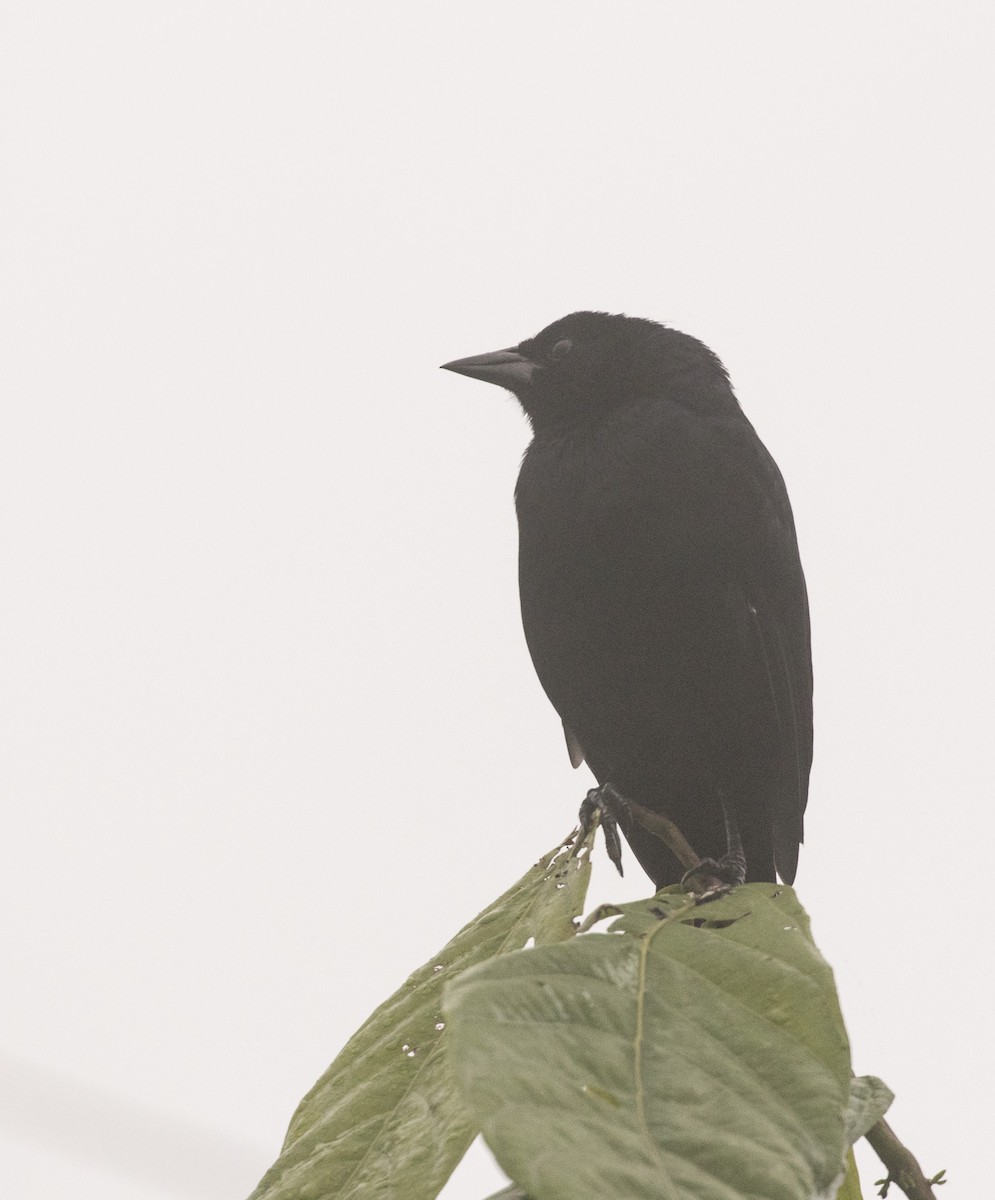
x=506 y=368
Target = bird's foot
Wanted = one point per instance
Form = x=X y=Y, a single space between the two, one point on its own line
x=713 y=876
x=608 y=807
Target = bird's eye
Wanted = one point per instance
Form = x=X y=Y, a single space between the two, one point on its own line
x=561 y=349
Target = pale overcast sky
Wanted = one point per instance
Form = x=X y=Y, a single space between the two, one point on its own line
x=271 y=732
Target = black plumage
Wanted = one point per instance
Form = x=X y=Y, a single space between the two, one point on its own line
x=662 y=594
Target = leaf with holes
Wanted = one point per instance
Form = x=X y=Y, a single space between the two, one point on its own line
x=386 y=1119
x=693 y=1050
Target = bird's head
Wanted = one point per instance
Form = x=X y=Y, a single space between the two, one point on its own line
x=586 y=364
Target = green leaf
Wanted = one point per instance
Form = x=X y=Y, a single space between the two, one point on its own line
x=386 y=1120
x=694 y=1050
x=850 y=1187
x=869 y=1100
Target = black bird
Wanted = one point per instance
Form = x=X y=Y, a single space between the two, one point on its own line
x=662 y=594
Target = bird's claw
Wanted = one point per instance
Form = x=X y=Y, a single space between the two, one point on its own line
x=606 y=805
x=713 y=875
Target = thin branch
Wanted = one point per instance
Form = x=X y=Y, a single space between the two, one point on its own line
x=901 y=1164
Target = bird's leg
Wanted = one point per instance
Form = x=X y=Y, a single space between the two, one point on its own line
x=663 y=828
x=712 y=874
x=610 y=807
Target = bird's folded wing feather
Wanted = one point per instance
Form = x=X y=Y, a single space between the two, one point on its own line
x=774 y=589
x=741 y=506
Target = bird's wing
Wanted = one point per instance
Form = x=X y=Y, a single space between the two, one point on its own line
x=773 y=589
x=733 y=508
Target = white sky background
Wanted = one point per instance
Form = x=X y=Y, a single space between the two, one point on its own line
x=271 y=729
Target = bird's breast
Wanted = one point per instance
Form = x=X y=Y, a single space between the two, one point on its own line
x=572 y=504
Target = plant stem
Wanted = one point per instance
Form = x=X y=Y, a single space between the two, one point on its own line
x=901 y=1164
